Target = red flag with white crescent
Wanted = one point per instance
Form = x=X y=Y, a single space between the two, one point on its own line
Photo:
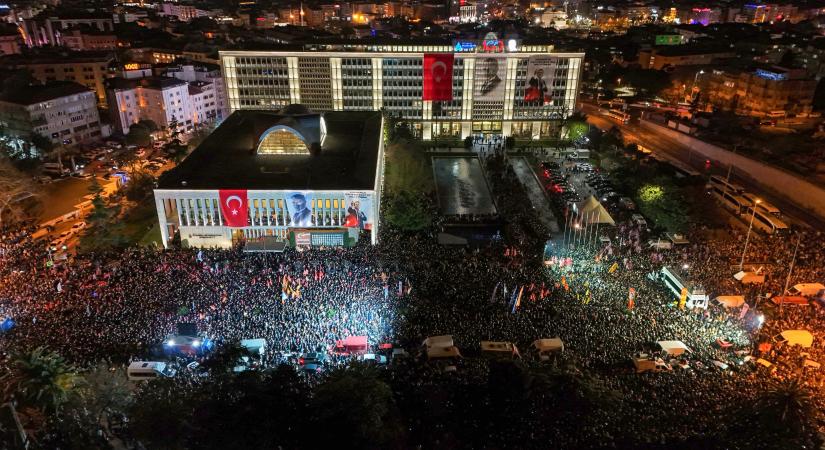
x=235 y=207
x=438 y=77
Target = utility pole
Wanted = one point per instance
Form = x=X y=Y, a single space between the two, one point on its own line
x=790 y=271
x=748 y=237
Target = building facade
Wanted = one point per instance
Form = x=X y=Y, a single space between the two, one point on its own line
x=163 y=100
x=44 y=31
x=204 y=73
x=87 y=68
x=292 y=177
x=63 y=112
x=774 y=92
x=494 y=84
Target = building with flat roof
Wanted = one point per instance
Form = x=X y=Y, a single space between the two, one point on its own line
x=63 y=112
x=769 y=91
x=444 y=89
x=87 y=68
x=291 y=176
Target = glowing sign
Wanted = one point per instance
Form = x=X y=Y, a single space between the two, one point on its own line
x=768 y=75
x=131 y=66
x=492 y=46
x=465 y=47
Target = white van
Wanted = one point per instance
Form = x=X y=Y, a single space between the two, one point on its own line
x=148 y=370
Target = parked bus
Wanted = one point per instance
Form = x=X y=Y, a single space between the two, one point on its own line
x=762 y=205
x=619 y=115
x=675 y=282
x=716 y=180
x=729 y=200
x=767 y=222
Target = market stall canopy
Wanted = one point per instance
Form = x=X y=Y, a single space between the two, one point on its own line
x=674 y=348
x=802 y=338
x=549 y=345
x=591 y=211
x=749 y=277
x=731 y=301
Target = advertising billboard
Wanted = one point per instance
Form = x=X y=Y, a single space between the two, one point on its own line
x=358 y=211
x=299 y=207
x=489 y=78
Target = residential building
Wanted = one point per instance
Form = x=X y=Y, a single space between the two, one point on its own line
x=63 y=112
x=683 y=55
x=11 y=41
x=266 y=179
x=183 y=12
x=86 y=38
x=87 y=68
x=48 y=30
x=770 y=91
x=206 y=73
x=490 y=92
x=167 y=101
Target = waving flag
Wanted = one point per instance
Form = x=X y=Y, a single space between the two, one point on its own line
x=438 y=77
x=235 y=207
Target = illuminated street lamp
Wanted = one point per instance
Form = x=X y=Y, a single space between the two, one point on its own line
x=748 y=237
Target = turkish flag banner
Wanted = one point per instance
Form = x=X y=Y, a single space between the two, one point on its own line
x=235 y=207
x=438 y=77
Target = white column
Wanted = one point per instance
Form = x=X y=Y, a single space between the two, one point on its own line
x=467 y=91
x=377 y=83
x=337 y=84
x=294 y=81
x=163 y=222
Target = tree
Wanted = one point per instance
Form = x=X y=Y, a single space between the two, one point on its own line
x=355 y=408
x=787 y=407
x=223 y=360
x=408 y=168
x=42 y=379
x=406 y=211
x=175 y=150
x=161 y=415
x=15 y=188
x=139 y=135
x=140 y=185
x=149 y=124
x=102 y=232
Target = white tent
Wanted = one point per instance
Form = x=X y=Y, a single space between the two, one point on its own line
x=802 y=338
x=731 y=301
x=749 y=277
x=674 y=348
x=549 y=345
x=591 y=211
x=441 y=347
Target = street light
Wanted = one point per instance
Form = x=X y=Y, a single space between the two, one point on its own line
x=748 y=237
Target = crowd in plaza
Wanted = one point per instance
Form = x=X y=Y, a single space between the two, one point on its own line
x=121 y=306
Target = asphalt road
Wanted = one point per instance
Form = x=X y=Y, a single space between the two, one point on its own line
x=670 y=149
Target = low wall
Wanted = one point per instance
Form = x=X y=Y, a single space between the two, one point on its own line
x=802 y=193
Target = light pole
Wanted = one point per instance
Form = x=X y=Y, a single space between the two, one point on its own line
x=748 y=237
x=790 y=271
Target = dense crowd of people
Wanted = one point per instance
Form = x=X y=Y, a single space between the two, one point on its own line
x=122 y=306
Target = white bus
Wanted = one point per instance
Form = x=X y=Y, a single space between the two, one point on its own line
x=619 y=115
x=762 y=205
x=729 y=200
x=717 y=181
x=675 y=282
x=767 y=222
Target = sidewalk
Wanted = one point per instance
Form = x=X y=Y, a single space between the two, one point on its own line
x=535 y=191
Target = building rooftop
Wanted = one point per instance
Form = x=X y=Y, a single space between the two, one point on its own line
x=42 y=93
x=33 y=59
x=228 y=158
x=159 y=83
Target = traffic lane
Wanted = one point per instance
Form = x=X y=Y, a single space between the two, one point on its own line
x=656 y=142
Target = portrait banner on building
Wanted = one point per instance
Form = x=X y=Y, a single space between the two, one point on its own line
x=489 y=76
x=235 y=207
x=438 y=77
x=299 y=206
x=358 y=210
x=540 y=71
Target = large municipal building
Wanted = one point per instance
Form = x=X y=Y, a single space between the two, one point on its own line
x=273 y=178
x=498 y=86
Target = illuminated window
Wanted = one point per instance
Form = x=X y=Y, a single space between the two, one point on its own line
x=282 y=141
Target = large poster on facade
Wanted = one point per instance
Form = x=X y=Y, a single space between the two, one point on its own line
x=358 y=210
x=438 y=77
x=540 y=71
x=489 y=76
x=299 y=206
